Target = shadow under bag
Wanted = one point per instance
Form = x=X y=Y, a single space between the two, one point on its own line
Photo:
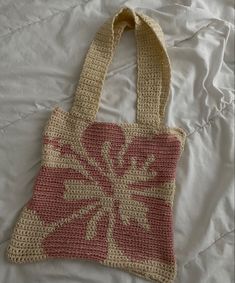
x=104 y=191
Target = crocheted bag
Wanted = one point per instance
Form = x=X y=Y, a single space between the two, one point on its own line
x=105 y=190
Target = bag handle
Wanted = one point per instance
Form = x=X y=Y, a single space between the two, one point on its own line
x=153 y=67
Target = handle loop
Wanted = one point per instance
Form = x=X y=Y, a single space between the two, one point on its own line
x=153 y=67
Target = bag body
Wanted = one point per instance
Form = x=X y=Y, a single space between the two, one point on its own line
x=105 y=191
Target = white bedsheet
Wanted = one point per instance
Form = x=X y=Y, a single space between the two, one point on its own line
x=42 y=47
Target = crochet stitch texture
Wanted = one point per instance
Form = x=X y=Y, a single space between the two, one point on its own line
x=105 y=191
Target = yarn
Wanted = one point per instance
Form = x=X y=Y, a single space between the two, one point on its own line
x=105 y=191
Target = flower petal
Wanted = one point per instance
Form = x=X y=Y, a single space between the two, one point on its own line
x=70 y=241
x=48 y=196
x=158 y=154
x=94 y=138
x=91 y=228
x=139 y=243
x=80 y=190
x=131 y=209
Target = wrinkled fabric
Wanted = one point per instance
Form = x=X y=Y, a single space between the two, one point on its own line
x=42 y=49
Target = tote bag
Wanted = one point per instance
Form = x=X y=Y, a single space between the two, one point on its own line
x=104 y=191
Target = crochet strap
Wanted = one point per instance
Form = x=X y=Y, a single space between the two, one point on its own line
x=153 y=67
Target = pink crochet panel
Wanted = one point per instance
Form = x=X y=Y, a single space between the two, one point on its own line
x=107 y=197
x=121 y=204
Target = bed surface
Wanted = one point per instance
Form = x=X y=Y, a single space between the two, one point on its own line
x=42 y=48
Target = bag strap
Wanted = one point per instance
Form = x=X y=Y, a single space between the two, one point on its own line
x=153 y=67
